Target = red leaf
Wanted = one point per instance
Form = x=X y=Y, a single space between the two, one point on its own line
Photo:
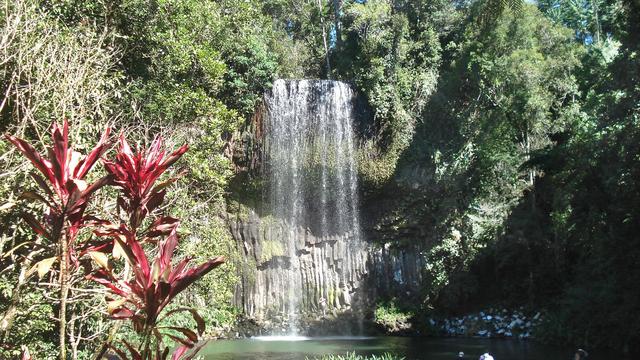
x=179 y=352
x=195 y=349
x=174 y=157
x=154 y=154
x=155 y=199
x=185 y=279
x=122 y=204
x=58 y=151
x=183 y=341
x=178 y=269
x=103 y=145
x=127 y=251
x=136 y=172
x=43 y=185
x=134 y=353
x=105 y=180
x=101 y=277
x=75 y=193
x=199 y=321
x=139 y=257
x=94 y=245
x=166 y=250
x=36 y=226
x=162 y=291
x=193 y=337
x=30 y=153
x=162 y=226
x=125 y=149
x=122 y=313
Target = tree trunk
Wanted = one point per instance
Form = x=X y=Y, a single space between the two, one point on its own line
x=337 y=5
x=6 y=323
x=324 y=39
x=594 y=4
x=72 y=337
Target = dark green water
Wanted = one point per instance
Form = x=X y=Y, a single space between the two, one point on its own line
x=410 y=348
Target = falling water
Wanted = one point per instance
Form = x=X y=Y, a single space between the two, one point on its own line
x=304 y=256
x=312 y=255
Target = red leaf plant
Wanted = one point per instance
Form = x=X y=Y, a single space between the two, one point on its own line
x=154 y=283
x=136 y=173
x=65 y=192
x=66 y=195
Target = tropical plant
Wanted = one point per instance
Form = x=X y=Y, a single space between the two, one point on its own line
x=66 y=194
x=154 y=284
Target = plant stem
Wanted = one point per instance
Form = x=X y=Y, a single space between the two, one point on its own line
x=105 y=345
x=146 y=339
x=64 y=293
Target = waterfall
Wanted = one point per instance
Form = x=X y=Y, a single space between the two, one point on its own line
x=308 y=244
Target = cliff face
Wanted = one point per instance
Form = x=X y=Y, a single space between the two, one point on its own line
x=322 y=273
x=309 y=248
x=334 y=276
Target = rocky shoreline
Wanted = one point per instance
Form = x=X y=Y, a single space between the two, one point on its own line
x=491 y=323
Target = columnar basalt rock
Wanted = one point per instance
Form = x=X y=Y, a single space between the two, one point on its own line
x=325 y=273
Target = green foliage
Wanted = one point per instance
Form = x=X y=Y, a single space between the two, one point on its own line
x=391 y=53
x=33 y=325
x=532 y=143
x=390 y=317
x=271 y=248
x=590 y=20
x=506 y=90
x=49 y=71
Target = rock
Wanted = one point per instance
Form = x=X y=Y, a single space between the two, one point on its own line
x=487 y=324
x=514 y=323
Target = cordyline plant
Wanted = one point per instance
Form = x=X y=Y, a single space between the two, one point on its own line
x=155 y=283
x=142 y=296
x=66 y=194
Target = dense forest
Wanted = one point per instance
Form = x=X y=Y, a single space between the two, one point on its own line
x=503 y=136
